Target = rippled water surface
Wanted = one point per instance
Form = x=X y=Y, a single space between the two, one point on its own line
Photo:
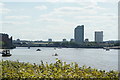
x=96 y=58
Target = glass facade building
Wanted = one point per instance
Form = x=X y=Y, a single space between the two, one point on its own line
x=79 y=34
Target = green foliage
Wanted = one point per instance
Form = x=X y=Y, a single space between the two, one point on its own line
x=16 y=69
x=117 y=44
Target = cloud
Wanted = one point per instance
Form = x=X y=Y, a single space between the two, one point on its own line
x=52 y=22
x=42 y=7
x=63 y=12
x=1 y=4
x=50 y=19
x=99 y=18
x=68 y=16
x=98 y=22
x=17 y=17
x=13 y=22
x=77 y=1
x=63 y=18
x=74 y=10
x=3 y=9
x=71 y=12
x=54 y=1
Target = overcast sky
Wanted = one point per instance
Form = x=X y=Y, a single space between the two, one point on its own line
x=57 y=19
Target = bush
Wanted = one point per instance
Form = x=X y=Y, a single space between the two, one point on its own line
x=59 y=70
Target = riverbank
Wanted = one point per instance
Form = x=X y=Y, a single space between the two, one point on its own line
x=59 y=69
x=91 y=47
x=13 y=47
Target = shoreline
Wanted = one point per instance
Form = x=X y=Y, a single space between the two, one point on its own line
x=68 y=47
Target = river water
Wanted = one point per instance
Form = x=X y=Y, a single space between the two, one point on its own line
x=95 y=58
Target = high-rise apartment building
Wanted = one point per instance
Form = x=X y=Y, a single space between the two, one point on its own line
x=79 y=34
x=98 y=36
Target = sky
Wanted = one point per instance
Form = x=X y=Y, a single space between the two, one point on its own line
x=57 y=19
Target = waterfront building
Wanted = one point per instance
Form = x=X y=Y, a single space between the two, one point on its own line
x=49 y=40
x=6 y=42
x=64 y=40
x=17 y=41
x=79 y=34
x=98 y=36
x=86 y=40
x=72 y=40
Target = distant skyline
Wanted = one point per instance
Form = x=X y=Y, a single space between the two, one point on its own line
x=57 y=20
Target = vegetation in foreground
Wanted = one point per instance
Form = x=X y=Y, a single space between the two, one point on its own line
x=16 y=69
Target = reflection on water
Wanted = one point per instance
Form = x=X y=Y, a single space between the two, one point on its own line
x=96 y=58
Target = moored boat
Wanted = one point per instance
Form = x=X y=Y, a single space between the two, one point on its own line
x=6 y=53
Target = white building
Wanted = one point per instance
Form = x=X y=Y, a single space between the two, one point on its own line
x=98 y=36
x=79 y=34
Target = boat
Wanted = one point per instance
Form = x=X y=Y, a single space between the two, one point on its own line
x=54 y=48
x=6 y=53
x=55 y=54
x=107 y=49
x=28 y=47
x=38 y=50
x=59 y=47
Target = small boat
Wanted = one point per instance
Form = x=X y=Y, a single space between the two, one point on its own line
x=38 y=50
x=6 y=53
x=28 y=47
x=107 y=49
x=55 y=54
x=59 y=47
